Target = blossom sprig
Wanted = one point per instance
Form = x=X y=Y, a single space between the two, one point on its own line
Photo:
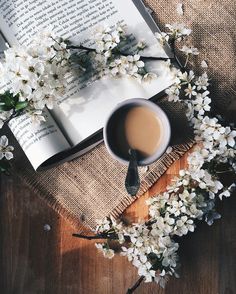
x=36 y=76
x=117 y=54
x=176 y=33
x=191 y=197
x=6 y=154
x=145 y=248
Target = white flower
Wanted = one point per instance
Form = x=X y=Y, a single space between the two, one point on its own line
x=173 y=93
x=4 y=116
x=178 y=30
x=225 y=193
x=107 y=38
x=195 y=160
x=190 y=91
x=135 y=61
x=141 y=45
x=179 y=8
x=169 y=150
x=186 y=77
x=5 y=149
x=161 y=278
x=189 y=50
x=202 y=103
x=162 y=37
x=107 y=252
x=130 y=66
x=127 y=252
x=103 y=225
x=148 y=77
x=204 y=64
x=202 y=82
x=36 y=116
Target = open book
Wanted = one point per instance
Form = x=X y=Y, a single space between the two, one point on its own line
x=74 y=126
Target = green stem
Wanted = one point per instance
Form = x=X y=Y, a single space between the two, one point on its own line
x=186 y=61
x=172 y=46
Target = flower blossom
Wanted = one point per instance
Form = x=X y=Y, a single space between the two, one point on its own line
x=38 y=73
x=189 y=50
x=5 y=149
x=178 y=30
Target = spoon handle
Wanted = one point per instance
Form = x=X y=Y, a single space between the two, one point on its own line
x=132 y=181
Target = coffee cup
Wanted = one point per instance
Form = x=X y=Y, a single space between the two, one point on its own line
x=137 y=124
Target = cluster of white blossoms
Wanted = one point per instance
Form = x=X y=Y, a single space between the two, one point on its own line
x=108 y=38
x=111 y=42
x=131 y=66
x=150 y=245
x=215 y=139
x=37 y=73
x=191 y=196
x=146 y=245
x=176 y=32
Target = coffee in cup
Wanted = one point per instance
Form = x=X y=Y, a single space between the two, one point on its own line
x=137 y=124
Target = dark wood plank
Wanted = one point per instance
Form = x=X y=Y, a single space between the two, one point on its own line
x=37 y=261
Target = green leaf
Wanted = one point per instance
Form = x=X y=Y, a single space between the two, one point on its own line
x=8 y=99
x=21 y=105
x=16 y=98
x=4 y=107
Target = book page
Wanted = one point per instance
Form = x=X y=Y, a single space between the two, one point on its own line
x=39 y=141
x=84 y=109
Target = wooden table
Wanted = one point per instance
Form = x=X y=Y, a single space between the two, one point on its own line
x=35 y=261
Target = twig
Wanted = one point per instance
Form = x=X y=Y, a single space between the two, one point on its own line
x=224 y=171
x=172 y=45
x=135 y=286
x=120 y=53
x=186 y=61
x=81 y=48
x=95 y=237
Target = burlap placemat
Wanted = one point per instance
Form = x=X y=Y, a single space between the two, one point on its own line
x=92 y=186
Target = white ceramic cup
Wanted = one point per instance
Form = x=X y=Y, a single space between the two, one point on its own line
x=113 y=126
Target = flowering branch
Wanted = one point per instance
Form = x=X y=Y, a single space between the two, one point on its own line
x=37 y=76
x=151 y=245
x=95 y=237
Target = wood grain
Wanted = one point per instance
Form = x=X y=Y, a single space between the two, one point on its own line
x=35 y=261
